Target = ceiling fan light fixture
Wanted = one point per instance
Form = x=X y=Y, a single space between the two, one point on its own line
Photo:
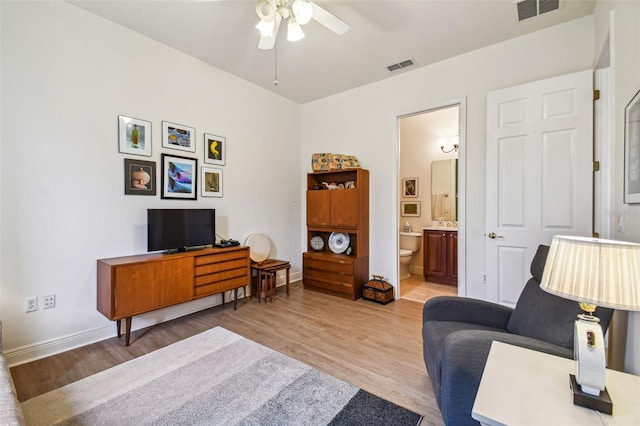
x=303 y=11
x=297 y=12
x=266 y=9
x=294 y=31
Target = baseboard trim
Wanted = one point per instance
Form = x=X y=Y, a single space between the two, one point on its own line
x=416 y=270
x=33 y=352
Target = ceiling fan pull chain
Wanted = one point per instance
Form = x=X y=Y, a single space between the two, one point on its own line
x=275 y=55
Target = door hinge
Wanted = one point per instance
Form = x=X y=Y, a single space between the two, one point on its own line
x=596 y=95
x=596 y=166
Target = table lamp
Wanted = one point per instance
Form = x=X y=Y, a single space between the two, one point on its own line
x=600 y=272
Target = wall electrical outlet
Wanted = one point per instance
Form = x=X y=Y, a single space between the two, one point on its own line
x=48 y=301
x=30 y=304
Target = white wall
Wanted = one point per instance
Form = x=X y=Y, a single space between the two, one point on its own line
x=66 y=76
x=362 y=121
x=621 y=21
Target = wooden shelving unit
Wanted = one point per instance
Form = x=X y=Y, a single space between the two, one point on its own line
x=344 y=210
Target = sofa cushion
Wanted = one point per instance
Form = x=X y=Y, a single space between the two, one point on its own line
x=544 y=316
x=538 y=262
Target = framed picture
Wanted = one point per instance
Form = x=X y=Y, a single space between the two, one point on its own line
x=410 y=187
x=177 y=136
x=211 y=182
x=178 y=180
x=632 y=151
x=134 y=136
x=410 y=208
x=139 y=177
x=215 y=149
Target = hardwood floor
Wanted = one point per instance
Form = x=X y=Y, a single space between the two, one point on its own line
x=377 y=348
x=417 y=289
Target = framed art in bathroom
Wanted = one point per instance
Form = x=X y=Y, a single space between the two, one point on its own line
x=410 y=187
x=410 y=208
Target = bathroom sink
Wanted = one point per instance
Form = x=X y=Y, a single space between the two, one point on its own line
x=441 y=228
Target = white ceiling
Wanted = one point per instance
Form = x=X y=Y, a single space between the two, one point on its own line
x=383 y=32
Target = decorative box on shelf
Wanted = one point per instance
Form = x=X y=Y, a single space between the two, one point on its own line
x=378 y=290
x=324 y=162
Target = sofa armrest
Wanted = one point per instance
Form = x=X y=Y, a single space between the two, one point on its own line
x=10 y=409
x=464 y=357
x=462 y=309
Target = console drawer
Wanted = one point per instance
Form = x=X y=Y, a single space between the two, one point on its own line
x=341 y=266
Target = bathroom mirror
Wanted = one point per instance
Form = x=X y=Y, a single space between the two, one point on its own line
x=444 y=190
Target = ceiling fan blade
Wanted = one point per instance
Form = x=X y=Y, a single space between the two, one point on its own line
x=330 y=21
x=268 y=42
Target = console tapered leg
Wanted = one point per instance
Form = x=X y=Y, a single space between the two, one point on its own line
x=127 y=335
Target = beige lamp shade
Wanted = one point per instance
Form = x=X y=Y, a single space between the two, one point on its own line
x=592 y=270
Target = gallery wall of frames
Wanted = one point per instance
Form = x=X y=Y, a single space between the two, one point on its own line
x=178 y=174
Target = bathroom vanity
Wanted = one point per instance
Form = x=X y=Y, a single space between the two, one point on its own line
x=440 y=250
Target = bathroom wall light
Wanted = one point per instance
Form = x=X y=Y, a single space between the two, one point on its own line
x=454 y=142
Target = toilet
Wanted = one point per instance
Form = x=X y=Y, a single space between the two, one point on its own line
x=409 y=244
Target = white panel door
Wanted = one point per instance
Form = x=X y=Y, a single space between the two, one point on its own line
x=539 y=174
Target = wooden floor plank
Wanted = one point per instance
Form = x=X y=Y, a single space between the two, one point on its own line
x=377 y=348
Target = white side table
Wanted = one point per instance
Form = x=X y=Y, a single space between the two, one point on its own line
x=524 y=387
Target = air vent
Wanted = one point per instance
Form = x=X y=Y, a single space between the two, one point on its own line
x=400 y=65
x=531 y=8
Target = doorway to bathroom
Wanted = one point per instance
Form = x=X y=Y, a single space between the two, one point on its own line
x=430 y=144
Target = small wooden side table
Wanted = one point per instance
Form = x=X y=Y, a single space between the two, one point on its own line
x=265 y=279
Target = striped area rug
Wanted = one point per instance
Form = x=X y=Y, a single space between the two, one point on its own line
x=214 y=378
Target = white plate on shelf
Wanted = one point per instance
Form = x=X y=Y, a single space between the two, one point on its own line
x=259 y=246
x=339 y=242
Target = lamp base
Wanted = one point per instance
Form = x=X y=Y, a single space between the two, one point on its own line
x=601 y=402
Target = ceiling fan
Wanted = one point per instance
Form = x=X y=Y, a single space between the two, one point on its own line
x=298 y=12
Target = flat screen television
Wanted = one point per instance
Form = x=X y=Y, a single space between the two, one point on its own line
x=180 y=229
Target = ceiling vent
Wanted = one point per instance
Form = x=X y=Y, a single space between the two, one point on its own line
x=530 y=8
x=400 y=65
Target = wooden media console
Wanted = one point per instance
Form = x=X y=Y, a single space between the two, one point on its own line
x=133 y=285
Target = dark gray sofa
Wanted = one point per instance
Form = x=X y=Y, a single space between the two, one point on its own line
x=457 y=333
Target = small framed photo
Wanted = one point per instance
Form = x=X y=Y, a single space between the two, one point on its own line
x=215 y=149
x=178 y=180
x=134 y=136
x=139 y=177
x=177 y=136
x=410 y=187
x=410 y=208
x=632 y=151
x=211 y=182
